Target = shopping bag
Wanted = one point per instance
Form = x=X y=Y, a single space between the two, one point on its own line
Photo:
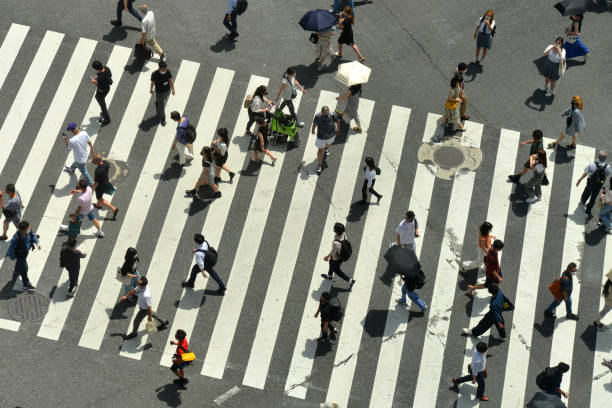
x=142 y=52
x=110 y=189
x=187 y=357
x=555 y=289
x=74 y=229
x=151 y=327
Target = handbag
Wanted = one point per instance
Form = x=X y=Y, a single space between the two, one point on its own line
x=124 y=279
x=74 y=229
x=314 y=38
x=600 y=202
x=451 y=105
x=187 y=357
x=562 y=66
x=151 y=327
x=110 y=189
x=555 y=289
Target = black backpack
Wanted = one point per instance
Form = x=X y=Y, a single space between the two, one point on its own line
x=335 y=308
x=420 y=280
x=241 y=6
x=346 y=250
x=598 y=177
x=211 y=255
x=21 y=251
x=546 y=379
x=190 y=134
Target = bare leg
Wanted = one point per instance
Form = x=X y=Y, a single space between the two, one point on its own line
x=224 y=167
x=339 y=53
x=217 y=171
x=269 y=154
x=354 y=47
x=5 y=227
x=96 y=224
x=552 y=86
x=103 y=202
x=477 y=52
x=484 y=53
x=320 y=157
x=256 y=154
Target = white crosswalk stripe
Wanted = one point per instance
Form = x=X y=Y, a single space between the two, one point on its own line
x=302 y=365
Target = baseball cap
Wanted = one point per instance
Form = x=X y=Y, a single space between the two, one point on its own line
x=71 y=126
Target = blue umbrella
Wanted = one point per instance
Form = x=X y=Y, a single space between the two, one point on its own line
x=317 y=20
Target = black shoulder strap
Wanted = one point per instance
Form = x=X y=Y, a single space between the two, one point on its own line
x=200 y=250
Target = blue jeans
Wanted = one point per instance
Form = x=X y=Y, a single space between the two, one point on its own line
x=412 y=296
x=604 y=215
x=21 y=268
x=555 y=303
x=196 y=270
x=339 y=5
x=83 y=169
x=231 y=25
x=480 y=380
x=120 y=8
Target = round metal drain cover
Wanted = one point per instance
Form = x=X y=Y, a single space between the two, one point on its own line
x=28 y=307
x=448 y=157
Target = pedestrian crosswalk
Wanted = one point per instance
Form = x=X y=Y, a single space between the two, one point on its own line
x=350 y=374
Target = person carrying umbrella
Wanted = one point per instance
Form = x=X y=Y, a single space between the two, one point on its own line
x=411 y=284
x=320 y=22
x=352 y=96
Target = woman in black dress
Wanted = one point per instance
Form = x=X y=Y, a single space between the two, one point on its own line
x=347 y=19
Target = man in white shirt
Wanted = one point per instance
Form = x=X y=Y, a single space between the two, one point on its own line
x=78 y=144
x=145 y=307
x=149 y=33
x=478 y=372
x=407 y=231
x=201 y=265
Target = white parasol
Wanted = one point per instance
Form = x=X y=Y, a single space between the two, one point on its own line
x=353 y=73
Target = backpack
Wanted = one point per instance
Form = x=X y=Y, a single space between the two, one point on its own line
x=346 y=250
x=494 y=27
x=546 y=379
x=247 y=101
x=598 y=177
x=335 y=307
x=211 y=257
x=21 y=251
x=420 y=280
x=190 y=134
x=241 y=6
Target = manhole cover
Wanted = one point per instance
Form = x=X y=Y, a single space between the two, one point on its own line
x=448 y=157
x=28 y=307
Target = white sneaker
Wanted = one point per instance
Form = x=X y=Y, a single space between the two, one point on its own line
x=466 y=331
x=99 y=233
x=63 y=228
x=549 y=93
x=544 y=88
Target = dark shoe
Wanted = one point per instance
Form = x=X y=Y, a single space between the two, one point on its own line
x=378 y=199
x=332 y=335
x=166 y=323
x=545 y=181
x=29 y=288
x=186 y=284
x=232 y=174
x=116 y=23
x=319 y=170
x=190 y=193
x=550 y=315
x=115 y=213
x=515 y=178
x=217 y=195
x=163 y=56
x=351 y=283
x=571 y=316
x=129 y=336
x=3 y=238
x=221 y=291
x=455 y=384
x=465 y=117
x=163 y=122
x=103 y=122
x=326 y=276
x=598 y=325
x=217 y=180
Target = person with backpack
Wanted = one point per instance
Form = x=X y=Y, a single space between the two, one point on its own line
x=128 y=272
x=485 y=30
x=182 y=347
x=219 y=151
x=566 y=285
x=234 y=9
x=551 y=378
x=10 y=210
x=477 y=371
x=352 y=96
x=597 y=173
x=206 y=258
x=325 y=310
x=70 y=258
x=184 y=137
x=340 y=252
x=493 y=273
x=22 y=242
x=411 y=284
x=407 y=231
x=371 y=171
x=574 y=123
x=533 y=187
x=607 y=295
x=498 y=304
x=536 y=144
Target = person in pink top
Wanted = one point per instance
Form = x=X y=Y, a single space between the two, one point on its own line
x=85 y=207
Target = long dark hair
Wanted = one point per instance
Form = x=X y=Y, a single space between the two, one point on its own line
x=485 y=228
x=355 y=89
x=207 y=153
x=369 y=161
x=542 y=157
x=223 y=135
x=260 y=91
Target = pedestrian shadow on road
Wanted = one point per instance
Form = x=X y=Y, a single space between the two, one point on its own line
x=357 y=210
x=118 y=33
x=136 y=66
x=538 y=100
x=471 y=72
x=519 y=207
x=197 y=205
x=308 y=75
x=7 y=291
x=117 y=312
x=170 y=394
x=224 y=44
x=589 y=337
x=173 y=172
x=375 y=320
x=149 y=123
x=388 y=276
x=594 y=237
x=547 y=327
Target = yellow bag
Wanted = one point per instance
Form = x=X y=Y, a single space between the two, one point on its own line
x=451 y=105
x=187 y=357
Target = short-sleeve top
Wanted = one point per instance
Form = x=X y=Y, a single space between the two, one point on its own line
x=101 y=174
x=85 y=201
x=535 y=146
x=553 y=56
x=483 y=27
x=162 y=81
x=289 y=87
x=258 y=104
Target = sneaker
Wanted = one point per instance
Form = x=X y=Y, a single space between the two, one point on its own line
x=326 y=276
x=63 y=228
x=231 y=175
x=217 y=194
x=544 y=88
x=550 y=315
x=351 y=283
x=163 y=56
x=190 y=193
x=163 y=122
x=532 y=200
x=29 y=288
x=103 y=122
x=319 y=169
x=571 y=316
x=466 y=331
x=129 y=336
x=217 y=180
x=186 y=284
x=515 y=178
x=116 y=23
x=72 y=292
x=99 y=233
x=549 y=93
x=455 y=384
x=300 y=124
x=221 y=291
x=69 y=169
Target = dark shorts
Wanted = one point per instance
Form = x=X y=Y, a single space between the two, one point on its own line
x=489 y=281
x=90 y=216
x=99 y=193
x=220 y=160
x=175 y=367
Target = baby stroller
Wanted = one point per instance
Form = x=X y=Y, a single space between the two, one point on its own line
x=283 y=128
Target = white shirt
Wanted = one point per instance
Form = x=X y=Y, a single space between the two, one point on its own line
x=78 y=145
x=289 y=87
x=478 y=362
x=231 y=6
x=199 y=255
x=258 y=104
x=370 y=176
x=145 y=300
x=148 y=25
x=406 y=231
x=590 y=169
x=553 y=56
x=483 y=27
x=85 y=201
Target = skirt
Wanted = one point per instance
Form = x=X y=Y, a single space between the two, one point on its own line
x=484 y=40
x=575 y=49
x=551 y=70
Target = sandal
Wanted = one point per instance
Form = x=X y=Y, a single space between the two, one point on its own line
x=362 y=59
x=552 y=145
x=357 y=129
x=339 y=112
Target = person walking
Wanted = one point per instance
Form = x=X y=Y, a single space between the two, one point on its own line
x=345 y=22
x=485 y=30
x=537 y=163
x=485 y=239
x=551 y=378
x=334 y=257
x=407 y=231
x=574 y=121
x=230 y=20
x=125 y=5
x=22 y=242
x=260 y=105
x=219 y=152
x=411 y=284
x=493 y=275
x=324 y=49
x=607 y=295
x=476 y=371
x=352 y=106
x=103 y=80
x=324 y=310
x=597 y=173
x=208 y=175
x=452 y=109
x=262 y=141
x=70 y=258
x=149 y=31
x=606 y=209
x=572 y=45
x=326 y=126
x=78 y=144
x=102 y=184
x=177 y=359
x=10 y=210
x=493 y=316
x=129 y=272
x=162 y=81
x=459 y=72
x=145 y=307
x=556 y=56
x=536 y=144
x=567 y=285
x=202 y=266
x=289 y=93
x=180 y=141
x=84 y=208
x=371 y=171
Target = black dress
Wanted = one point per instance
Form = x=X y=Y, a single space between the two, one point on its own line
x=347 y=32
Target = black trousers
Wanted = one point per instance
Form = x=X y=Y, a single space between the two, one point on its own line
x=231 y=25
x=330 y=328
x=73 y=278
x=372 y=191
x=142 y=313
x=334 y=267
x=101 y=99
x=487 y=321
x=589 y=194
x=289 y=104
